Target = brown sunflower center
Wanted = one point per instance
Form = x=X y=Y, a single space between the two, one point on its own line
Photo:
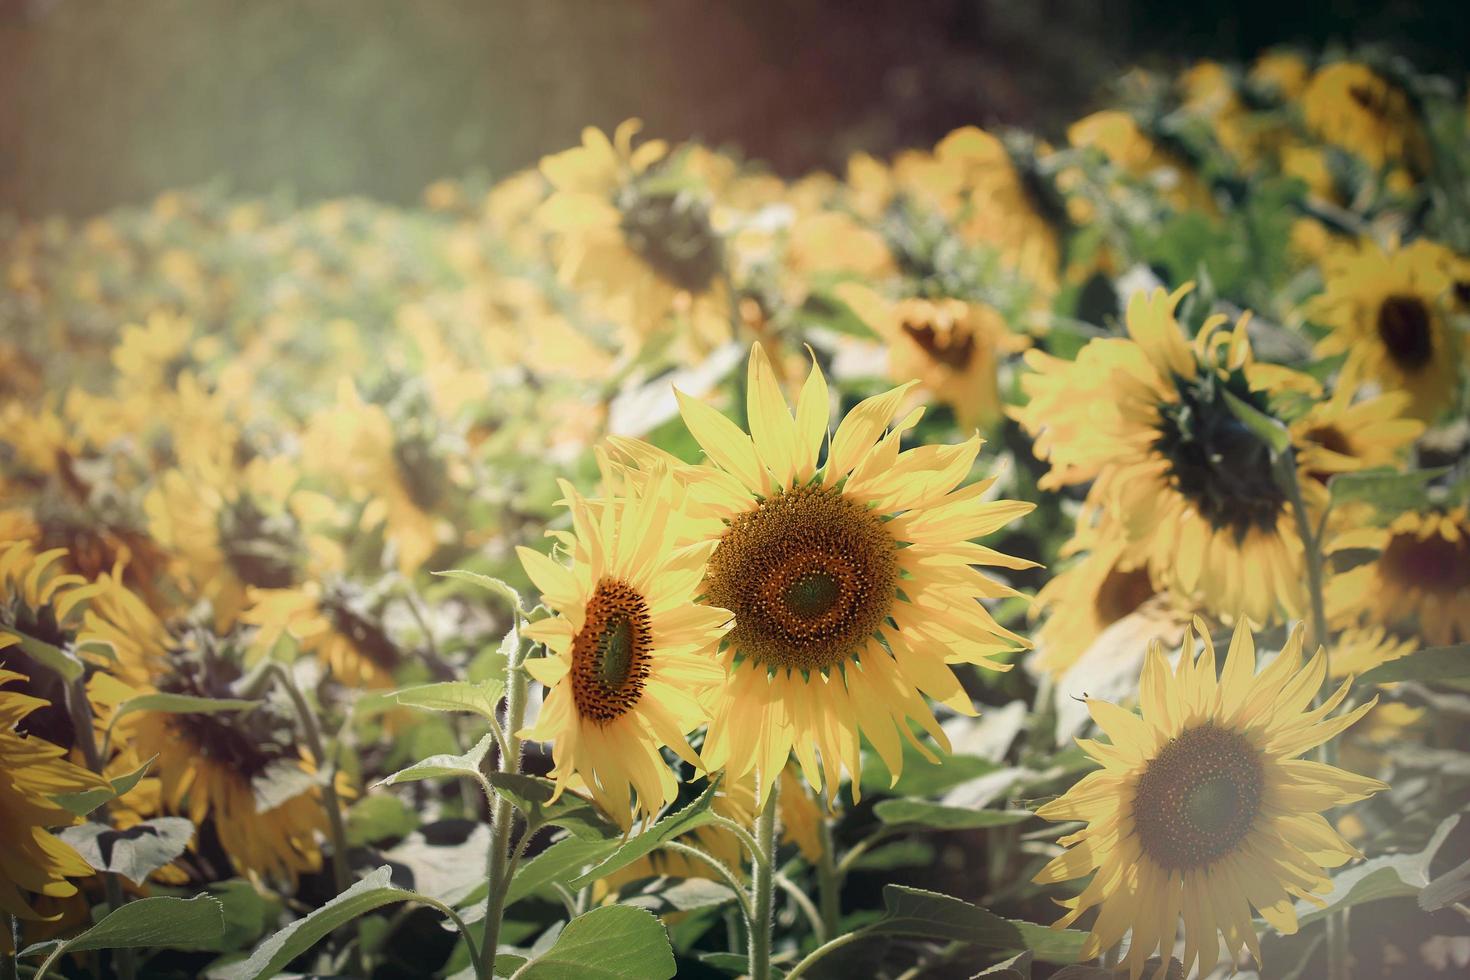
x=1198 y=798
x=611 y=653
x=1433 y=564
x=1122 y=592
x=1404 y=327
x=953 y=348
x=263 y=548
x=809 y=575
x=671 y=231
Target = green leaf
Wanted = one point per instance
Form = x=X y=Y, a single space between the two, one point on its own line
x=911 y=853
x=1430 y=664
x=696 y=814
x=377 y=817
x=916 y=912
x=249 y=913
x=1258 y=423
x=663 y=895
x=444 y=766
x=85 y=802
x=1390 y=876
x=1386 y=489
x=52 y=657
x=489 y=584
x=941 y=817
x=177 y=704
x=183 y=923
x=445 y=861
x=1018 y=967
x=532 y=796
x=920 y=777
x=134 y=853
x=281 y=781
x=371 y=893
x=735 y=964
x=614 y=942
x=559 y=863
x=481 y=698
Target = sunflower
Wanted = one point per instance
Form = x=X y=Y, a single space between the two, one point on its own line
x=329 y=622
x=630 y=653
x=32 y=771
x=1421 y=576
x=1387 y=311
x=632 y=226
x=952 y=347
x=1280 y=74
x=1351 y=106
x=1189 y=490
x=1135 y=154
x=1202 y=809
x=850 y=583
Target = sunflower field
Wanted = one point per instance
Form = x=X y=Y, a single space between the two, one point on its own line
x=1018 y=558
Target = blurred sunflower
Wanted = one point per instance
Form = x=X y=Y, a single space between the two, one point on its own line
x=851 y=584
x=1202 y=808
x=1421 y=575
x=1386 y=310
x=328 y=622
x=1352 y=106
x=1187 y=486
x=952 y=347
x=32 y=771
x=630 y=663
x=1281 y=74
x=1118 y=137
x=632 y=226
x=1340 y=434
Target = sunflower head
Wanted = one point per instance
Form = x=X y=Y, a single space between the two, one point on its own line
x=670 y=228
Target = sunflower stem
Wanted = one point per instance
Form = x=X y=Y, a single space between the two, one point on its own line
x=502 y=813
x=8 y=960
x=762 y=887
x=829 y=882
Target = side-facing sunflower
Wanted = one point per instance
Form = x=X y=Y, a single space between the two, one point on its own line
x=630 y=662
x=1187 y=486
x=1203 y=810
x=328 y=622
x=32 y=771
x=1342 y=433
x=851 y=583
x=1350 y=105
x=1386 y=310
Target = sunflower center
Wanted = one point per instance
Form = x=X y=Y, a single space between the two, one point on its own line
x=809 y=574
x=671 y=231
x=1198 y=798
x=1433 y=564
x=611 y=654
x=1404 y=328
x=1121 y=593
x=954 y=348
x=1216 y=462
x=263 y=549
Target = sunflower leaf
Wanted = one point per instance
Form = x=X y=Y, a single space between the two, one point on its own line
x=931 y=915
x=85 y=802
x=177 y=704
x=1258 y=423
x=1389 y=876
x=532 y=795
x=478 y=697
x=444 y=766
x=663 y=894
x=489 y=584
x=50 y=656
x=134 y=853
x=181 y=923
x=1430 y=664
x=940 y=817
x=609 y=943
x=696 y=814
x=1386 y=489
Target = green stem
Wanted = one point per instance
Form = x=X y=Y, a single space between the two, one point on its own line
x=829 y=946
x=762 y=887
x=502 y=814
x=8 y=970
x=716 y=865
x=829 y=883
x=799 y=897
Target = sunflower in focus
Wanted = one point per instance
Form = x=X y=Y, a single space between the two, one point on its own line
x=1350 y=105
x=630 y=663
x=1187 y=487
x=1202 y=809
x=1386 y=310
x=32 y=771
x=632 y=226
x=851 y=583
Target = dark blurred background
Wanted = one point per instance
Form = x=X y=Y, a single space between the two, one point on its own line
x=109 y=101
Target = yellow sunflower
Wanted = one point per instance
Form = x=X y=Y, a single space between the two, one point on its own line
x=1421 y=576
x=1280 y=73
x=632 y=227
x=1203 y=810
x=952 y=347
x=630 y=662
x=327 y=622
x=1131 y=151
x=32 y=771
x=1340 y=434
x=1387 y=311
x=1189 y=490
x=1350 y=105
x=851 y=583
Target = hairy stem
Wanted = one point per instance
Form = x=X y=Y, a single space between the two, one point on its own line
x=502 y=812
x=762 y=887
x=829 y=883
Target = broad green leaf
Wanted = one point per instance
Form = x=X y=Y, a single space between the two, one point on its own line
x=696 y=814
x=663 y=895
x=489 y=584
x=183 y=923
x=559 y=863
x=941 y=817
x=444 y=766
x=614 y=942
x=916 y=912
x=920 y=777
x=377 y=817
x=532 y=796
x=52 y=657
x=1258 y=423
x=481 y=698
x=134 y=853
x=446 y=859
x=1430 y=664
x=1386 y=489
x=178 y=704
x=1390 y=876
x=1447 y=889
x=85 y=802
x=249 y=913
x=371 y=893
x=909 y=853
x=1018 y=967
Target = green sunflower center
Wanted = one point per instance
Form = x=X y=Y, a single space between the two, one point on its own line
x=1198 y=798
x=810 y=576
x=611 y=653
x=1216 y=462
x=671 y=231
x=1404 y=326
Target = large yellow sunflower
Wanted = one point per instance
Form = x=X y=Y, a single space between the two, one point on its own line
x=851 y=583
x=630 y=663
x=1387 y=312
x=1350 y=105
x=1187 y=487
x=1202 y=809
x=32 y=771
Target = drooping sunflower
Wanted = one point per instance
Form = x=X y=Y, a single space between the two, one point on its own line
x=851 y=583
x=1203 y=810
x=1421 y=577
x=1352 y=106
x=1386 y=310
x=630 y=664
x=1187 y=487
x=32 y=771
